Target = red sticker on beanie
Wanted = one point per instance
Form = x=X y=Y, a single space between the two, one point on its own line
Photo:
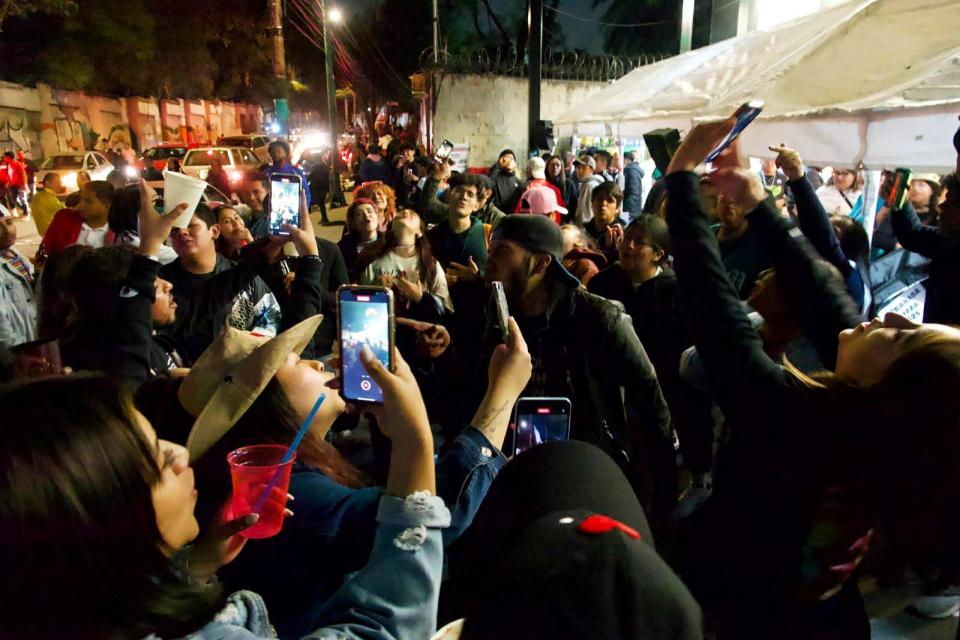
x=597 y=524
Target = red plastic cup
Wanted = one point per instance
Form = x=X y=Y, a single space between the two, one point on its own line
x=252 y=470
x=37 y=358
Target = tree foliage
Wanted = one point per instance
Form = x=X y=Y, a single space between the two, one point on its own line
x=165 y=48
x=23 y=8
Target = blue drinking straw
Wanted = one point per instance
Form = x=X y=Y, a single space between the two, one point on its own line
x=289 y=454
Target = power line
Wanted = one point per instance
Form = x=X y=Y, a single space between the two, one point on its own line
x=610 y=24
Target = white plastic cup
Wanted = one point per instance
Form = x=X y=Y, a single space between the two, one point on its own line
x=179 y=188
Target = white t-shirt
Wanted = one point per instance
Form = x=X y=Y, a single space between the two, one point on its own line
x=91 y=237
x=409 y=269
x=833 y=201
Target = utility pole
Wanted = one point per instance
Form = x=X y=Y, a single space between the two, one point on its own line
x=280 y=108
x=436 y=62
x=534 y=59
x=336 y=195
x=686 y=26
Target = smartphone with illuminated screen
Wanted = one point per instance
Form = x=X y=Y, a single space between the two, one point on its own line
x=538 y=420
x=746 y=114
x=366 y=318
x=284 y=202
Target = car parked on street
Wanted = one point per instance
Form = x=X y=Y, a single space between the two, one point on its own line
x=238 y=162
x=157 y=156
x=256 y=142
x=68 y=165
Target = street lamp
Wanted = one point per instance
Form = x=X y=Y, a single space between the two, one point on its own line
x=335 y=15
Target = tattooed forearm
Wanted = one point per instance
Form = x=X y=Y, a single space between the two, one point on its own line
x=491 y=417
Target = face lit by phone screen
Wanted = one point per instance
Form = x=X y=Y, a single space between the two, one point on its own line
x=537 y=428
x=364 y=320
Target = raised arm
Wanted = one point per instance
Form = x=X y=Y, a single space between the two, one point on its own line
x=731 y=350
x=918 y=237
x=133 y=322
x=813 y=218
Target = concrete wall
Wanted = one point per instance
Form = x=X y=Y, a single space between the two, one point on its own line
x=44 y=120
x=490 y=112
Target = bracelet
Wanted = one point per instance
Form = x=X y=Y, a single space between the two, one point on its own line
x=311 y=257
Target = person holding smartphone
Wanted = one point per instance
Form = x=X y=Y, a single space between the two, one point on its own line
x=812 y=459
x=586 y=350
x=337 y=506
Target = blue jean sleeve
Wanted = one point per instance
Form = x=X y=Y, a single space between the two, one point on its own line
x=465 y=471
x=396 y=594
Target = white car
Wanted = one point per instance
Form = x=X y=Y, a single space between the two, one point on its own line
x=237 y=162
x=256 y=142
x=68 y=165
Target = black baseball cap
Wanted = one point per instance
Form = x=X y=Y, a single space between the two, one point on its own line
x=538 y=234
x=561 y=548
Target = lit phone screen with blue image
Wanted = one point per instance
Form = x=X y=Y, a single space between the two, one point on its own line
x=364 y=320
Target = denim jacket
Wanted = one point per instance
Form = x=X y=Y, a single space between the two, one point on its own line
x=394 y=596
x=337 y=523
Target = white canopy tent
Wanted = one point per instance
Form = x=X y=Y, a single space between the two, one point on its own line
x=870 y=81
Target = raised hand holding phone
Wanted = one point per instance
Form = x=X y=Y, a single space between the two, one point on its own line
x=286 y=192
x=366 y=320
x=302 y=234
x=507 y=375
x=743 y=116
x=402 y=417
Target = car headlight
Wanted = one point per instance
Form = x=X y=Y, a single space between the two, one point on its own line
x=236 y=176
x=202 y=174
x=130 y=171
x=69 y=180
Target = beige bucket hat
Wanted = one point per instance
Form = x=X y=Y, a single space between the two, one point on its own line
x=231 y=374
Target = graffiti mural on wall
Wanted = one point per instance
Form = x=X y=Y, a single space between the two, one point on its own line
x=14 y=134
x=119 y=138
x=69 y=135
x=148 y=135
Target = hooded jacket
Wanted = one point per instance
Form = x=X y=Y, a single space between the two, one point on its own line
x=584 y=207
x=584 y=263
x=633 y=189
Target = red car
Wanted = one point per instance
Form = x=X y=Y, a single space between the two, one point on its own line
x=157 y=156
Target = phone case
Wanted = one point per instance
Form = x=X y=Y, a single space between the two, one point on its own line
x=391 y=343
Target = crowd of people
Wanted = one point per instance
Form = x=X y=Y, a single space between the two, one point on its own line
x=743 y=429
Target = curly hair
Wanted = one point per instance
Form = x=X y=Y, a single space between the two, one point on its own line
x=367 y=190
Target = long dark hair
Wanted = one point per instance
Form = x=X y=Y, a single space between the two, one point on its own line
x=388 y=242
x=55 y=308
x=122 y=217
x=81 y=551
x=271 y=419
x=560 y=180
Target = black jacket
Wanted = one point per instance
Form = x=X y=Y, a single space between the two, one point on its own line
x=507 y=188
x=748 y=548
x=125 y=347
x=204 y=302
x=633 y=189
x=943 y=287
x=585 y=349
x=815 y=225
x=655 y=309
x=332 y=274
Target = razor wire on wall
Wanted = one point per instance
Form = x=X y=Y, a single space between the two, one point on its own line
x=557 y=65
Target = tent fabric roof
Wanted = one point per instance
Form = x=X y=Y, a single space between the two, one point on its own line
x=872 y=81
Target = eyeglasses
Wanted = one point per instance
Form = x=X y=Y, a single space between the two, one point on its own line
x=637 y=244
